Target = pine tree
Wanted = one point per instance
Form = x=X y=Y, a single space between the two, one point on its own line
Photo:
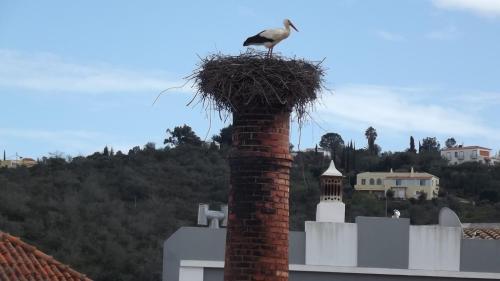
x=354 y=157
x=412 y=145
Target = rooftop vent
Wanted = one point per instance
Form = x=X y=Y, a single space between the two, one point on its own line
x=205 y=216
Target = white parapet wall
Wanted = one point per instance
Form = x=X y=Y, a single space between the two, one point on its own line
x=330 y=211
x=435 y=247
x=329 y=243
x=190 y=273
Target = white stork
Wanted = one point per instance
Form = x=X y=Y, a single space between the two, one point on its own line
x=270 y=37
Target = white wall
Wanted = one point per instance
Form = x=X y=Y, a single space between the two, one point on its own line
x=190 y=273
x=329 y=243
x=330 y=211
x=435 y=247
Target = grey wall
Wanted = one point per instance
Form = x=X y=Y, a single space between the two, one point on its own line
x=311 y=276
x=213 y=274
x=480 y=255
x=383 y=242
x=297 y=247
x=217 y=274
x=201 y=243
x=191 y=243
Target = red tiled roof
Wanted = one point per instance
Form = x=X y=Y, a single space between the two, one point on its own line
x=482 y=233
x=465 y=147
x=22 y=262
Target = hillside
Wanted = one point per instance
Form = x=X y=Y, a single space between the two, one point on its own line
x=108 y=214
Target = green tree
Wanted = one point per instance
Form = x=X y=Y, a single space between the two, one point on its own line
x=430 y=144
x=182 y=135
x=450 y=142
x=412 y=148
x=225 y=137
x=371 y=136
x=334 y=143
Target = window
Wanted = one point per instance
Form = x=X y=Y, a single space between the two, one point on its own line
x=422 y=182
x=379 y=182
x=456 y=154
x=461 y=155
x=363 y=181
x=448 y=155
x=474 y=154
x=372 y=181
x=398 y=182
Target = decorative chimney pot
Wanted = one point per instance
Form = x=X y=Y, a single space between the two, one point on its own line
x=331 y=208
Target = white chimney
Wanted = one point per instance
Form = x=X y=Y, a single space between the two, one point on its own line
x=330 y=207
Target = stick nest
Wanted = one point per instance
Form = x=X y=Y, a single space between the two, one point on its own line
x=249 y=80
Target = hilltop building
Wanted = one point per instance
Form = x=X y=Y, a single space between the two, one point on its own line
x=370 y=249
x=26 y=162
x=461 y=154
x=405 y=185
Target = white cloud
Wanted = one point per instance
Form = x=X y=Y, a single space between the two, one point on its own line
x=50 y=73
x=447 y=33
x=403 y=110
x=489 y=8
x=389 y=36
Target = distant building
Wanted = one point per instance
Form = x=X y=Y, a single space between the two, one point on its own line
x=462 y=154
x=26 y=162
x=325 y=152
x=21 y=261
x=404 y=185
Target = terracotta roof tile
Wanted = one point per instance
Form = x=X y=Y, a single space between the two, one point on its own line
x=22 y=262
x=482 y=233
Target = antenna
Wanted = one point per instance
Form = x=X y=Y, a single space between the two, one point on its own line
x=205 y=215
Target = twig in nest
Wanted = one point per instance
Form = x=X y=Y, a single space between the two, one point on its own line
x=168 y=89
x=233 y=83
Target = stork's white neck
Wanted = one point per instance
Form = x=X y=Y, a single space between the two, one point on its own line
x=287 y=27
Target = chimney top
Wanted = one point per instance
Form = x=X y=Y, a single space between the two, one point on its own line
x=332 y=171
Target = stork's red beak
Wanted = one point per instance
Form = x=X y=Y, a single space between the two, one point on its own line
x=293 y=26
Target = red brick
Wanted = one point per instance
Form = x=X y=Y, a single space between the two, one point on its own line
x=257 y=240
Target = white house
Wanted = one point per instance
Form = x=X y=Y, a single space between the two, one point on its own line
x=462 y=154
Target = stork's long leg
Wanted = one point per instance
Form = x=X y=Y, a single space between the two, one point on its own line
x=271 y=55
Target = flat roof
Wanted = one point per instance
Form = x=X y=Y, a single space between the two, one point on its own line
x=465 y=147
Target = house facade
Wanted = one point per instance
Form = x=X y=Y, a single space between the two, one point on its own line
x=26 y=162
x=462 y=154
x=405 y=185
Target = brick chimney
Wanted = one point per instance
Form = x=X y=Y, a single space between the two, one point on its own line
x=258 y=200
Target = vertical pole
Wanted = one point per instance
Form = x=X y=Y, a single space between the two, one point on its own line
x=258 y=220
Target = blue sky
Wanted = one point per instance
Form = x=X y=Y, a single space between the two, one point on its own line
x=75 y=77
